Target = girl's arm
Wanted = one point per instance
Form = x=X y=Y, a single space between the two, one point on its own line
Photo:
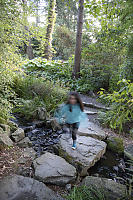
x=60 y=114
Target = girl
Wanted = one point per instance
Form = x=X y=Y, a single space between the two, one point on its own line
x=71 y=114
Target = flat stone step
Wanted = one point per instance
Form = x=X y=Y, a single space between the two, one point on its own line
x=93 y=130
x=50 y=168
x=91 y=105
x=88 y=112
x=87 y=153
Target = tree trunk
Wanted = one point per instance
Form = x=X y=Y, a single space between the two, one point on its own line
x=49 y=32
x=29 y=49
x=76 y=69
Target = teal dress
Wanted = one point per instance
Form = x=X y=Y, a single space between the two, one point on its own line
x=70 y=114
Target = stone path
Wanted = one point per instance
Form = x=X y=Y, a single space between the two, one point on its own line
x=53 y=169
x=93 y=130
x=87 y=153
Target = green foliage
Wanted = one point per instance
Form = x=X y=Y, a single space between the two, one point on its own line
x=7 y=95
x=28 y=108
x=59 y=71
x=85 y=193
x=121 y=104
x=36 y=92
x=63 y=42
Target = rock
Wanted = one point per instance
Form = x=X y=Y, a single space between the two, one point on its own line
x=92 y=105
x=88 y=112
x=68 y=187
x=42 y=113
x=128 y=151
x=29 y=153
x=88 y=152
x=51 y=123
x=39 y=124
x=25 y=171
x=25 y=143
x=115 y=144
x=22 y=188
x=50 y=168
x=18 y=135
x=93 y=130
x=111 y=189
x=28 y=128
x=13 y=126
x=6 y=129
x=91 y=93
x=1 y=131
x=22 y=160
x=5 y=141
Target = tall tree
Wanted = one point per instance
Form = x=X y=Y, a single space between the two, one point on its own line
x=76 y=69
x=29 y=49
x=50 y=27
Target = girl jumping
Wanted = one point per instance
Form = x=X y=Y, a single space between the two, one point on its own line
x=72 y=115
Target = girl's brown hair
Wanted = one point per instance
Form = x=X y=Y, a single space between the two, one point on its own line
x=79 y=101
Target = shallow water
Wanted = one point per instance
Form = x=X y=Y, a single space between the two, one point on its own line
x=110 y=166
x=42 y=138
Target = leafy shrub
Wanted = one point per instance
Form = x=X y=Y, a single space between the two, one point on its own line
x=85 y=193
x=7 y=95
x=64 y=42
x=34 y=92
x=28 y=108
x=60 y=71
x=121 y=104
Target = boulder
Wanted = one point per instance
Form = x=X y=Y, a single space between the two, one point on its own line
x=50 y=168
x=29 y=153
x=87 y=153
x=128 y=151
x=18 y=135
x=115 y=144
x=25 y=143
x=21 y=188
x=5 y=141
x=13 y=126
x=6 y=129
x=52 y=123
x=111 y=189
x=93 y=130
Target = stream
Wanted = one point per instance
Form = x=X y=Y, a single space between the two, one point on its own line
x=110 y=165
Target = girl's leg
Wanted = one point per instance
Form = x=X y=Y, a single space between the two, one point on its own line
x=74 y=134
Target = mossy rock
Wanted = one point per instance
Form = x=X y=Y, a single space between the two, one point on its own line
x=115 y=144
x=13 y=126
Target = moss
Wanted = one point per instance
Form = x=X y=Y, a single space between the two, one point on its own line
x=115 y=144
x=2 y=121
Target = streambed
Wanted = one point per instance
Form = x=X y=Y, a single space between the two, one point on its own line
x=110 y=165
